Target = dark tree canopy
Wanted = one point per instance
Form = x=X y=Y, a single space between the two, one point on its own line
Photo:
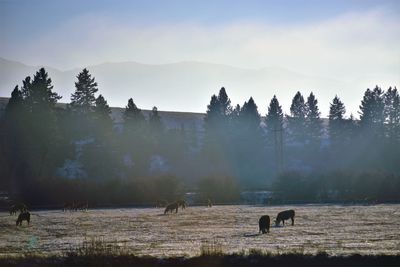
x=133 y=115
x=372 y=110
x=249 y=116
x=336 y=119
x=274 y=118
x=84 y=99
x=313 y=121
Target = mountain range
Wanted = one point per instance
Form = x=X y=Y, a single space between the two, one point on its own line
x=187 y=86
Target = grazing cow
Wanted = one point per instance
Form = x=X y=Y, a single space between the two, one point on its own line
x=284 y=215
x=23 y=216
x=264 y=223
x=171 y=207
x=71 y=206
x=18 y=207
x=181 y=203
x=82 y=206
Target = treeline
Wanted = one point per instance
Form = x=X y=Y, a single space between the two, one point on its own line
x=41 y=144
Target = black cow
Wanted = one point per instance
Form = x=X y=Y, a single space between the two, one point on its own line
x=171 y=207
x=181 y=203
x=284 y=215
x=21 y=207
x=23 y=216
x=264 y=223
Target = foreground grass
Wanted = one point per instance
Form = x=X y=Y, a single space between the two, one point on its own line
x=97 y=252
x=289 y=260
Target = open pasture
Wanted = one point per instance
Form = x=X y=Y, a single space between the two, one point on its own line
x=334 y=229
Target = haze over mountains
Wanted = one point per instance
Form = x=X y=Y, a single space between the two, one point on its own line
x=188 y=86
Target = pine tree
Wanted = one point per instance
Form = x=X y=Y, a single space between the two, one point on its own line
x=218 y=125
x=274 y=122
x=336 y=120
x=313 y=121
x=133 y=116
x=274 y=118
x=249 y=116
x=11 y=138
x=102 y=118
x=392 y=114
x=372 y=112
x=218 y=112
x=83 y=99
x=36 y=126
x=297 y=119
x=155 y=123
x=38 y=94
x=224 y=103
x=15 y=102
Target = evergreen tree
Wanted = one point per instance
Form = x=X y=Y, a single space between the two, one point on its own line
x=15 y=102
x=135 y=142
x=313 y=121
x=372 y=112
x=336 y=120
x=11 y=142
x=32 y=129
x=274 y=122
x=297 y=119
x=392 y=114
x=133 y=116
x=155 y=123
x=38 y=94
x=224 y=103
x=249 y=116
x=102 y=116
x=274 y=118
x=218 y=132
x=218 y=112
x=83 y=99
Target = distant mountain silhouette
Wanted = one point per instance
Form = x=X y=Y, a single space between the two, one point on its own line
x=184 y=86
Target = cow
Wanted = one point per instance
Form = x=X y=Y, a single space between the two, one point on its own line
x=171 y=207
x=263 y=224
x=68 y=206
x=285 y=215
x=209 y=203
x=181 y=203
x=18 y=207
x=82 y=206
x=23 y=216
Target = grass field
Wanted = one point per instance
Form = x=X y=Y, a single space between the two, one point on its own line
x=332 y=229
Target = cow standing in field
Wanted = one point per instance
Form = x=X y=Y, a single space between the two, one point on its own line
x=171 y=207
x=23 y=216
x=18 y=207
x=264 y=223
x=181 y=203
x=209 y=203
x=284 y=215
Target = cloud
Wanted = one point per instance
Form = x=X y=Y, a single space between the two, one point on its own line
x=343 y=46
x=359 y=48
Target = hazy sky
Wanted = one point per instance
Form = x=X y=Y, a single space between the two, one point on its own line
x=347 y=40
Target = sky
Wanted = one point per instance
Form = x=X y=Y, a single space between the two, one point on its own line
x=345 y=40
